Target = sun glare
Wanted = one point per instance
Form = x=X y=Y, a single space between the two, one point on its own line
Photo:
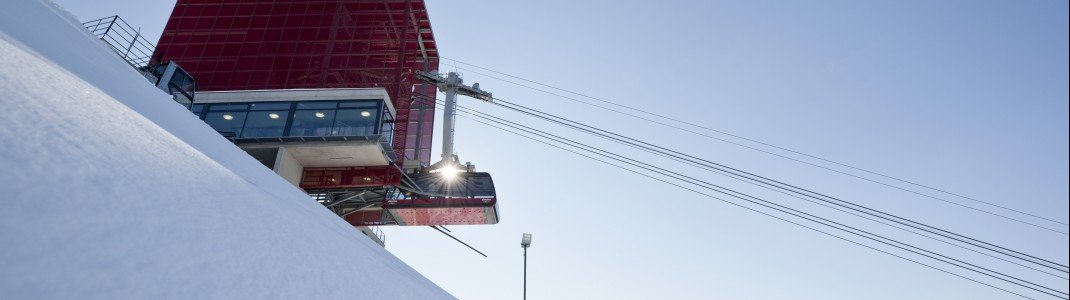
x=448 y=172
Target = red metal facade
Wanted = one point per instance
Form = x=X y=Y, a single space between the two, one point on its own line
x=247 y=45
x=349 y=177
x=443 y=211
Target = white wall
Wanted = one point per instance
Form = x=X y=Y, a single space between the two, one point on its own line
x=288 y=167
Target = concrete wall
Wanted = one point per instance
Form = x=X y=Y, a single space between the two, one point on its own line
x=288 y=167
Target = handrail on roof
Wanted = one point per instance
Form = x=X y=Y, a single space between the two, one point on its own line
x=123 y=38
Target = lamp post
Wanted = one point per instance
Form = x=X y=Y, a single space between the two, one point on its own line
x=525 y=242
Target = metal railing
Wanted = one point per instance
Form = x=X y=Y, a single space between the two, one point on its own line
x=379 y=234
x=124 y=39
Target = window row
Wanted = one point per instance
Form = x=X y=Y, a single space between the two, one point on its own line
x=298 y=118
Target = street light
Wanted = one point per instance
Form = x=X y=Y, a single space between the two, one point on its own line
x=525 y=242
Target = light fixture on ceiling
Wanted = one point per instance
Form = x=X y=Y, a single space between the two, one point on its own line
x=365 y=113
x=320 y=114
x=273 y=115
x=228 y=117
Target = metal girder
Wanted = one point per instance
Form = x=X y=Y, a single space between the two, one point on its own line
x=452 y=85
x=357 y=195
x=357 y=209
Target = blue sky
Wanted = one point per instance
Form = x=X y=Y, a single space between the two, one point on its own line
x=967 y=96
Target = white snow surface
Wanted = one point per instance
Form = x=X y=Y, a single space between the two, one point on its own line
x=109 y=189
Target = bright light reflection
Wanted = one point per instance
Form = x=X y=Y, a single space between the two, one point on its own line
x=228 y=117
x=448 y=172
x=366 y=114
x=273 y=115
x=320 y=114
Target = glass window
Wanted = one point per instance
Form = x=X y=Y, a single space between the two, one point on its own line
x=352 y=122
x=317 y=105
x=359 y=104
x=270 y=106
x=388 y=128
x=307 y=118
x=226 y=122
x=219 y=107
x=312 y=122
x=158 y=70
x=265 y=123
x=182 y=82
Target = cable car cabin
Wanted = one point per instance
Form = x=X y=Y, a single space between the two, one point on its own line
x=465 y=198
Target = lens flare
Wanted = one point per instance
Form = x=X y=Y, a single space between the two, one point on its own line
x=448 y=172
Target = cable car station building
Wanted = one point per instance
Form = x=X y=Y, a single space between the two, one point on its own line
x=323 y=92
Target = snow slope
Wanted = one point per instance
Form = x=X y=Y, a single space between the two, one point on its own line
x=109 y=189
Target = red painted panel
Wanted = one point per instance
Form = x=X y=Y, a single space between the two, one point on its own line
x=441 y=216
x=443 y=211
x=366 y=218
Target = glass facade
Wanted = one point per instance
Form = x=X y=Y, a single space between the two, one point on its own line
x=298 y=118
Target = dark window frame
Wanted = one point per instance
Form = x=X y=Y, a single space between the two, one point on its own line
x=379 y=104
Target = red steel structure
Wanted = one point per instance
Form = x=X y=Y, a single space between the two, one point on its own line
x=279 y=44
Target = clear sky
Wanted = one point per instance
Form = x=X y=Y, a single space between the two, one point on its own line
x=969 y=96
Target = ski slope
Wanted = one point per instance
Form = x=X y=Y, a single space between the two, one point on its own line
x=111 y=190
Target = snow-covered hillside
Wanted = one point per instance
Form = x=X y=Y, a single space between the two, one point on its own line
x=109 y=189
